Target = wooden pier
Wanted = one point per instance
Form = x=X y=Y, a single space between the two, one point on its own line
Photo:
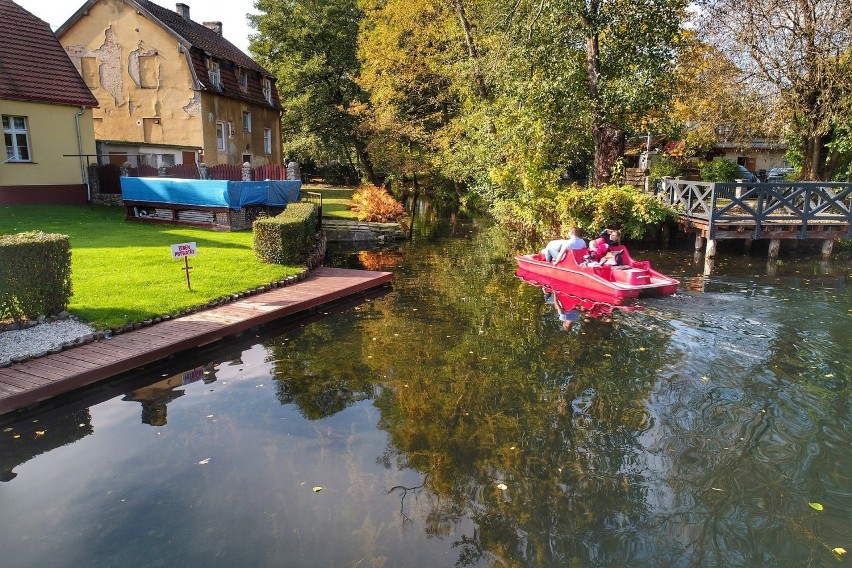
x=25 y=384
x=775 y=211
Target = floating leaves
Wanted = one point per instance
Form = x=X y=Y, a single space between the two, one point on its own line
x=816 y=506
x=317 y=488
x=839 y=551
x=502 y=486
x=705 y=378
x=204 y=461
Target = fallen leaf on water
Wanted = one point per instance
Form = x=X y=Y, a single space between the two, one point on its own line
x=204 y=461
x=16 y=436
x=502 y=486
x=7 y=429
x=317 y=488
x=816 y=506
x=705 y=378
x=39 y=433
x=716 y=489
x=839 y=551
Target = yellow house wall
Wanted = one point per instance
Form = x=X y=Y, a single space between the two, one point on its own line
x=52 y=133
x=224 y=109
x=116 y=35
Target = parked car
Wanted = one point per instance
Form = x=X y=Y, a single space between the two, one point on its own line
x=748 y=175
x=778 y=174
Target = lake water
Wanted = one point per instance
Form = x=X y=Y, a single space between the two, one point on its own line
x=454 y=420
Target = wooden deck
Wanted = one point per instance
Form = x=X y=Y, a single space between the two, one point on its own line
x=25 y=384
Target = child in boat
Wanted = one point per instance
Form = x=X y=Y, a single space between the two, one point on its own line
x=599 y=249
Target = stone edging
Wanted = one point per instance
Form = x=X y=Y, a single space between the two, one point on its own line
x=315 y=260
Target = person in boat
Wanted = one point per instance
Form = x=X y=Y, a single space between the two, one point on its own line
x=555 y=250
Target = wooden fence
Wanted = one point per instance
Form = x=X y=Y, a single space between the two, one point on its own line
x=784 y=210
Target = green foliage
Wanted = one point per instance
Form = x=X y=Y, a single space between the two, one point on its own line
x=542 y=218
x=719 y=170
x=285 y=238
x=35 y=274
x=666 y=166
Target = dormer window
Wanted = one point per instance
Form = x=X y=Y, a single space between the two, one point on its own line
x=267 y=90
x=215 y=74
x=242 y=79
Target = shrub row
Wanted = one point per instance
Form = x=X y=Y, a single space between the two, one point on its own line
x=284 y=239
x=35 y=275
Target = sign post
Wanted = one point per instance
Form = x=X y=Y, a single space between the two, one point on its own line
x=185 y=250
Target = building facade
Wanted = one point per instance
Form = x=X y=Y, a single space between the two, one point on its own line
x=171 y=90
x=46 y=113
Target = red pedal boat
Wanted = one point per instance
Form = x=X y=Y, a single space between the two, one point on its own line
x=633 y=278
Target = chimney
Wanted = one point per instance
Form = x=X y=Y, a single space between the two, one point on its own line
x=182 y=10
x=215 y=26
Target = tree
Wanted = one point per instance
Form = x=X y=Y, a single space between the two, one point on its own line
x=310 y=45
x=798 y=51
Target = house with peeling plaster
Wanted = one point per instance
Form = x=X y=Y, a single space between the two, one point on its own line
x=171 y=90
x=46 y=113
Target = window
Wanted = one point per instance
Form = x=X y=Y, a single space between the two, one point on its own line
x=148 y=71
x=89 y=71
x=242 y=78
x=267 y=140
x=231 y=129
x=267 y=90
x=215 y=74
x=246 y=121
x=16 y=138
x=220 y=136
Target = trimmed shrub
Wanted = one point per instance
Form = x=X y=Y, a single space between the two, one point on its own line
x=374 y=204
x=285 y=238
x=35 y=275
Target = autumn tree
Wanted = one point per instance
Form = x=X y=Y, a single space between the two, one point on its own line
x=310 y=46
x=797 y=50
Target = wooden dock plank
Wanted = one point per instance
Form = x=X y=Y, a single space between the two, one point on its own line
x=24 y=384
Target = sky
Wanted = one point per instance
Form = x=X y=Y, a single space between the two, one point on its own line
x=232 y=14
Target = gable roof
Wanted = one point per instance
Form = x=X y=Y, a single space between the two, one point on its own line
x=33 y=65
x=201 y=42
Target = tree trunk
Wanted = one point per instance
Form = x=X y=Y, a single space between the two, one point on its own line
x=814 y=157
x=609 y=146
x=366 y=163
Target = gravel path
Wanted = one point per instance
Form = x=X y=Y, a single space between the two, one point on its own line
x=40 y=338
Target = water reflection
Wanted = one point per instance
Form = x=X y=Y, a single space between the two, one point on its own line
x=452 y=421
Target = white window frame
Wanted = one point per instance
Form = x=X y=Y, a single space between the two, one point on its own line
x=231 y=131
x=215 y=72
x=267 y=140
x=11 y=138
x=246 y=121
x=267 y=90
x=220 y=136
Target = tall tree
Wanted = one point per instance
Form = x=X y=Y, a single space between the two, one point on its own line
x=311 y=46
x=799 y=51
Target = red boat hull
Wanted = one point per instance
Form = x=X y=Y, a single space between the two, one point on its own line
x=631 y=280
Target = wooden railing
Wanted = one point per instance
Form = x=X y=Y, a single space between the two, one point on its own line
x=799 y=204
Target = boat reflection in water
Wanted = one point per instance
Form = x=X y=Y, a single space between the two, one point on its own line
x=572 y=302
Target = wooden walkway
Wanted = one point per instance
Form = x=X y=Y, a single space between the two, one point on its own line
x=25 y=384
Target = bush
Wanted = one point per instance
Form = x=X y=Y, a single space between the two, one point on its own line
x=285 y=238
x=35 y=275
x=666 y=166
x=540 y=219
x=374 y=204
x=719 y=170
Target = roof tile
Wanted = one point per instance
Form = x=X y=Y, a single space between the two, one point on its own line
x=33 y=65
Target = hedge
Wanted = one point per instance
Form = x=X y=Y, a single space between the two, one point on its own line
x=284 y=239
x=35 y=275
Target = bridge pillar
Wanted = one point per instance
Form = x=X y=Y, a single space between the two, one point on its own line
x=827 y=247
x=709 y=257
x=774 y=248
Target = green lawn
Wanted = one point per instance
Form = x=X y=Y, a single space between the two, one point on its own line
x=335 y=201
x=122 y=272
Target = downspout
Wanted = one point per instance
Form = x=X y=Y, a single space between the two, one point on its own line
x=83 y=176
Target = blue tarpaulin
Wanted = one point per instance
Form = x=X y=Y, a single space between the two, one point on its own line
x=210 y=193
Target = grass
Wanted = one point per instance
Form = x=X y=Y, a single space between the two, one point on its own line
x=122 y=272
x=335 y=201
